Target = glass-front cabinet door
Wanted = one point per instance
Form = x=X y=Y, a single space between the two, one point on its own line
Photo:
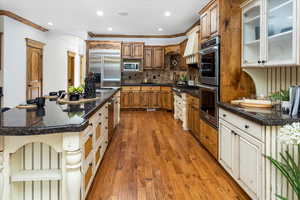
x=252 y=21
x=281 y=32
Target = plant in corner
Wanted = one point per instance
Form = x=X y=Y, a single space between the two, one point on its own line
x=75 y=92
x=289 y=134
x=283 y=96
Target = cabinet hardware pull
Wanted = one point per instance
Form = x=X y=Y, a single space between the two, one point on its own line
x=90 y=164
x=224 y=115
x=106 y=128
x=100 y=147
x=263 y=62
x=100 y=114
x=91 y=135
x=259 y=62
x=246 y=126
x=106 y=117
x=90 y=124
x=100 y=123
x=233 y=132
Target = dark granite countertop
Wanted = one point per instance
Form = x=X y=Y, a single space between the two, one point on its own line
x=54 y=118
x=192 y=90
x=149 y=84
x=266 y=117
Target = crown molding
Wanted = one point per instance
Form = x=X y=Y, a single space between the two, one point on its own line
x=22 y=20
x=94 y=35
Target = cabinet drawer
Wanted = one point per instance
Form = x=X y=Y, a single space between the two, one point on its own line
x=88 y=145
x=249 y=127
x=151 y=88
x=131 y=88
x=209 y=138
x=88 y=175
x=166 y=89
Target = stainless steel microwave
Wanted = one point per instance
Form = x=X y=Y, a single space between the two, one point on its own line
x=131 y=66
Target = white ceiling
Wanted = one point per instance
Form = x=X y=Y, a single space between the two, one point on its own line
x=145 y=16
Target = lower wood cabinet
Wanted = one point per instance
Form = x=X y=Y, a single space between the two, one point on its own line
x=194 y=117
x=147 y=97
x=209 y=138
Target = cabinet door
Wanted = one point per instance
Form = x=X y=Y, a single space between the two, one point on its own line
x=154 y=100
x=190 y=118
x=125 y=99
x=170 y=101
x=137 y=50
x=252 y=40
x=214 y=18
x=204 y=22
x=281 y=32
x=148 y=55
x=250 y=165
x=196 y=122
x=158 y=57
x=227 y=148
x=144 y=99
x=126 y=50
x=136 y=99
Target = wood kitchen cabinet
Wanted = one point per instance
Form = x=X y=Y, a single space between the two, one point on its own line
x=147 y=97
x=154 y=57
x=209 y=138
x=133 y=50
x=194 y=117
x=209 y=20
x=148 y=54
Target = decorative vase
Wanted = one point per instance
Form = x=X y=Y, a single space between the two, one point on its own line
x=74 y=97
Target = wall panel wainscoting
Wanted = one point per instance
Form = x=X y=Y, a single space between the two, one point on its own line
x=276 y=183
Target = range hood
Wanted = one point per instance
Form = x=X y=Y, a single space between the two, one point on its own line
x=192 y=48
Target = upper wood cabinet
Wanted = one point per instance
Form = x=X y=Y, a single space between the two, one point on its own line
x=148 y=54
x=154 y=57
x=209 y=20
x=158 y=57
x=270 y=33
x=133 y=50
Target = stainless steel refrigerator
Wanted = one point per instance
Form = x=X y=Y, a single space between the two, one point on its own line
x=106 y=65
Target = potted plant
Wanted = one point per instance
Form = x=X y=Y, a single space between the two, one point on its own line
x=284 y=97
x=290 y=169
x=75 y=93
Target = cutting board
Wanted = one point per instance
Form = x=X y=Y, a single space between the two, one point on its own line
x=253 y=103
x=66 y=101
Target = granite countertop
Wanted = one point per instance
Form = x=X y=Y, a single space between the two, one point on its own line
x=192 y=90
x=53 y=118
x=266 y=117
x=149 y=84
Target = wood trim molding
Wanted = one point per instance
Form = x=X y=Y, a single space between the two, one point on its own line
x=34 y=43
x=22 y=20
x=94 y=35
x=71 y=54
x=93 y=44
x=204 y=9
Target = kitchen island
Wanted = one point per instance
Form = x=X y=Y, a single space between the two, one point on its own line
x=54 y=152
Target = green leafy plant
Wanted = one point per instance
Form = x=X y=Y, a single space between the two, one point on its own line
x=78 y=90
x=282 y=95
x=290 y=170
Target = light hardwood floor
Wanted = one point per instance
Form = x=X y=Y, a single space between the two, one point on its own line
x=152 y=158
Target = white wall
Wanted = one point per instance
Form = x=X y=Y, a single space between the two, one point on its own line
x=54 y=59
x=55 y=65
x=14 y=67
x=148 y=41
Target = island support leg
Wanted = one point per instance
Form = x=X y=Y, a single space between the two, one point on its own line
x=73 y=174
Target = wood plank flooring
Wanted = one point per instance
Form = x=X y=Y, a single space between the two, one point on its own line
x=152 y=158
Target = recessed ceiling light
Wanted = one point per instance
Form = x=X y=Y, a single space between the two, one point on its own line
x=50 y=23
x=100 y=13
x=160 y=29
x=123 y=14
x=167 y=13
x=109 y=28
